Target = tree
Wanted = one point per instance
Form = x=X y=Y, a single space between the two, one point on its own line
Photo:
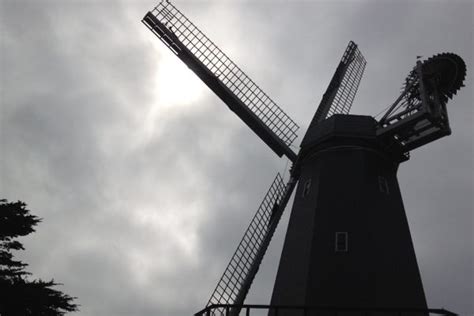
x=19 y=295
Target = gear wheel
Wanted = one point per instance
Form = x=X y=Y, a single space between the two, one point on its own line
x=446 y=70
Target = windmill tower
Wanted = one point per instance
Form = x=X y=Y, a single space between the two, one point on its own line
x=348 y=247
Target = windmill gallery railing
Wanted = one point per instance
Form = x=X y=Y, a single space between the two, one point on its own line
x=249 y=309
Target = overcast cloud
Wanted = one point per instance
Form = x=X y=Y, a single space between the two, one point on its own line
x=146 y=181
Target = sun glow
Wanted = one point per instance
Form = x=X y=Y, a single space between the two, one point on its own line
x=176 y=83
x=175 y=87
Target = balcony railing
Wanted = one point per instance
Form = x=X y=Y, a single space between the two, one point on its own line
x=275 y=310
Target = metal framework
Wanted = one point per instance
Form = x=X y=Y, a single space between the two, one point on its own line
x=343 y=86
x=223 y=76
x=238 y=276
x=253 y=309
x=419 y=114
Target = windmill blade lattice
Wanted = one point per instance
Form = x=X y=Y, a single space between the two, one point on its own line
x=239 y=273
x=190 y=44
x=343 y=86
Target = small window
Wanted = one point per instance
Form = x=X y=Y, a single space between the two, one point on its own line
x=307 y=187
x=342 y=242
x=383 y=185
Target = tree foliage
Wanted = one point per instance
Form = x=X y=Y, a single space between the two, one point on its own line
x=19 y=295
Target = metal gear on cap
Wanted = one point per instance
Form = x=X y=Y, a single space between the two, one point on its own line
x=446 y=70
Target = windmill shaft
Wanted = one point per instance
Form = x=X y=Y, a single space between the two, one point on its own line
x=397 y=101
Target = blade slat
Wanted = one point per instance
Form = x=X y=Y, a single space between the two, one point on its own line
x=342 y=89
x=224 y=69
x=239 y=273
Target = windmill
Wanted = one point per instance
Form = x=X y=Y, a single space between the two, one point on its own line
x=348 y=246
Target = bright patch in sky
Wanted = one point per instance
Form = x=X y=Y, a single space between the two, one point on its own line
x=175 y=87
x=176 y=83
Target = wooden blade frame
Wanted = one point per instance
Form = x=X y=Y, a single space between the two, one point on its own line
x=223 y=77
x=343 y=86
x=239 y=274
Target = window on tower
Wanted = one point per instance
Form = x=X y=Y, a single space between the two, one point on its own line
x=342 y=242
x=383 y=185
x=306 y=188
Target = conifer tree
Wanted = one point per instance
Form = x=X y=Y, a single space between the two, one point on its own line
x=18 y=294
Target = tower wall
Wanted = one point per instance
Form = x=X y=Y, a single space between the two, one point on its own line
x=348 y=242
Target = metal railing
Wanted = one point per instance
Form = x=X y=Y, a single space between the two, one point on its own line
x=246 y=309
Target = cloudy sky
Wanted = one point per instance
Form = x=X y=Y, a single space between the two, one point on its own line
x=146 y=181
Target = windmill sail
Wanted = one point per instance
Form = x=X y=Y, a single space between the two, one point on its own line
x=343 y=86
x=235 y=282
x=224 y=77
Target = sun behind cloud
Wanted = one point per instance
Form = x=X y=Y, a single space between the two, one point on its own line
x=176 y=84
x=175 y=87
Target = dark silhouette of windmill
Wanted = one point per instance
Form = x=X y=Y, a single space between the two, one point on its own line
x=348 y=247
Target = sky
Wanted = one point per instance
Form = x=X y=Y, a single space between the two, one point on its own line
x=146 y=181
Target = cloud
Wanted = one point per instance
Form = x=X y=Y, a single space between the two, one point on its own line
x=145 y=197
